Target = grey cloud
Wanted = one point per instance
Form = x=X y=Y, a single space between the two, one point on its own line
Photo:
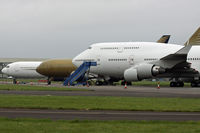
x=63 y=28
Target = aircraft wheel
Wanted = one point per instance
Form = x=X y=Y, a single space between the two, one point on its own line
x=105 y=83
x=182 y=84
x=14 y=81
x=129 y=83
x=173 y=84
x=179 y=84
x=98 y=83
x=193 y=84
x=49 y=82
x=123 y=82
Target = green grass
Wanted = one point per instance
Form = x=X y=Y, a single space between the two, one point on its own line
x=76 y=126
x=37 y=88
x=139 y=83
x=100 y=103
x=152 y=83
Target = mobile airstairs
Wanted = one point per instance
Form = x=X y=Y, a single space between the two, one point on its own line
x=79 y=74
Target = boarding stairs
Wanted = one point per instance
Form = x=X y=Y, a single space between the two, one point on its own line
x=79 y=73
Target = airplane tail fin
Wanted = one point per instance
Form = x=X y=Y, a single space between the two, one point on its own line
x=194 y=39
x=164 y=39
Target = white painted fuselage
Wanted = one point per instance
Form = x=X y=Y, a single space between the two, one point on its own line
x=22 y=70
x=114 y=58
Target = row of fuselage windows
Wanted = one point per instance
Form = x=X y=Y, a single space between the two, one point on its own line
x=150 y=59
x=131 y=47
x=117 y=59
x=193 y=58
x=113 y=48
x=147 y=59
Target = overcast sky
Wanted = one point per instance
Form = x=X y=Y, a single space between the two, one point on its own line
x=64 y=28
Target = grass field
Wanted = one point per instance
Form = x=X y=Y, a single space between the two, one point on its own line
x=139 y=83
x=38 y=88
x=76 y=126
x=100 y=103
x=154 y=83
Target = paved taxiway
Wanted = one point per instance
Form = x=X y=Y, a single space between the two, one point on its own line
x=99 y=115
x=131 y=91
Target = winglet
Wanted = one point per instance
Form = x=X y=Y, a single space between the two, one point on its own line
x=164 y=39
x=194 y=39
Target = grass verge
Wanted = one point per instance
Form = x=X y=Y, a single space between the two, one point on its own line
x=76 y=126
x=37 y=88
x=100 y=103
x=152 y=83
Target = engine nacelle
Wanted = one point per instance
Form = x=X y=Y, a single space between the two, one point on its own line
x=142 y=71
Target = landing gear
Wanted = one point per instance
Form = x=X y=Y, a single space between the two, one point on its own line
x=176 y=84
x=195 y=84
x=14 y=81
x=99 y=83
x=49 y=81
x=127 y=83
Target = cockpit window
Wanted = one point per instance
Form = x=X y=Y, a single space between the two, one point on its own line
x=7 y=66
x=90 y=48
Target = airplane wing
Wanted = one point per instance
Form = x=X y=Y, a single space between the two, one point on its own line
x=172 y=60
x=177 y=62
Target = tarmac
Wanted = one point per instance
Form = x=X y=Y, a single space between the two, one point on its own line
x=131 y=91
x=99 y=115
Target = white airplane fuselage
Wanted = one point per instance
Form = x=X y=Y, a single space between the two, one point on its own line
x=114 y=58
x=22 y=70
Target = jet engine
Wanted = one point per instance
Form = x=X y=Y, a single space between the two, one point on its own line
x=142 y=71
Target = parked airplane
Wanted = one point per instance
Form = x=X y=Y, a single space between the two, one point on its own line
x=22 y=70
x=62 y=68
x=40 y=70
x=135 y=61
x=55 y=69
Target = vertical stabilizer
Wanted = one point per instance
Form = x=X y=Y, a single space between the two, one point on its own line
x=194 y=39
x=164 y=39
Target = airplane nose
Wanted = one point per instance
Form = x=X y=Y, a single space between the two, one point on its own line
x=75 y=61
x=4 y=71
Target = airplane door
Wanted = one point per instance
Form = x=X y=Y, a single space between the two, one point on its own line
x=120 y=49
x=131 y=60
x=98 y=59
